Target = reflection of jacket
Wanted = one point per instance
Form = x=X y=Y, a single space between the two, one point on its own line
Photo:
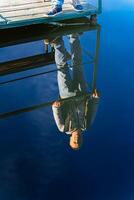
x=76 y=113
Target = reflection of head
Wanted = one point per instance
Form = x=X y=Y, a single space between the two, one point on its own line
x=76 y=139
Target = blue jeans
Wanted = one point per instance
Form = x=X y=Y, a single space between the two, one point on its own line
x=69 y=85
x=60 y=2
x=57 y=2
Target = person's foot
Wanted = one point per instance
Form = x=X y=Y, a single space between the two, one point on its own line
x=77 y=7
x=54 y=12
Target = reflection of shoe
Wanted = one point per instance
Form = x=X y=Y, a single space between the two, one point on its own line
x=51 y=40
x=54 y=12
x=77 y=7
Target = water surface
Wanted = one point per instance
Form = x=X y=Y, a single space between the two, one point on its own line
x=36 y=161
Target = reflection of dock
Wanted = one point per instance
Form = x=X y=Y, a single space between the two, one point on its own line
x=26 y=63
x=16 y=13
x=45 y=59
x=32 y=34
x=38 y=32
x=39 y=106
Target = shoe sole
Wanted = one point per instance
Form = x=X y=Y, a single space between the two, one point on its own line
x=78 y=10
x=45 y=15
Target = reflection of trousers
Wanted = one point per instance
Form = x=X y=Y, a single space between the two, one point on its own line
x=69 y=86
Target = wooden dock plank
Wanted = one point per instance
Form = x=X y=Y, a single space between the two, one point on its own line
x=38 y=13
x=40 y=16
x=8 y=3
x=32 y=11
x=22 y=7
x=38 y=4
x=41 y=8
x=28 y=63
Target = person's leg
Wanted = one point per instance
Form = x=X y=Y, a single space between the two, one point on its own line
x=63 y=75
x=58 y=3
x=78 y=73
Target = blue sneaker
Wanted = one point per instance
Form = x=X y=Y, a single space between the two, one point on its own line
x=54 y=12
x=78 y=7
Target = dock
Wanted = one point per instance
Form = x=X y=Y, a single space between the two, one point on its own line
x=17 y=13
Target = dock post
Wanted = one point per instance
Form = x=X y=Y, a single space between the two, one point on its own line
x=99 y=6
x=95 y=73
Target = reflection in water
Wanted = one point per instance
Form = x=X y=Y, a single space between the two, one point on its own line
x=75 y=115
x=36 y=163
x=76 y=109
x=69 y=85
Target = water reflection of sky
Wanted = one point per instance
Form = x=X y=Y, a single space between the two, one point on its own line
x=121 y=5
x=35 y=161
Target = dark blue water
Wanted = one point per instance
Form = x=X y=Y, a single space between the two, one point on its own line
x=36 y=162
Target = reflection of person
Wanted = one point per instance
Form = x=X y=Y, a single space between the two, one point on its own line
x=76 y=114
